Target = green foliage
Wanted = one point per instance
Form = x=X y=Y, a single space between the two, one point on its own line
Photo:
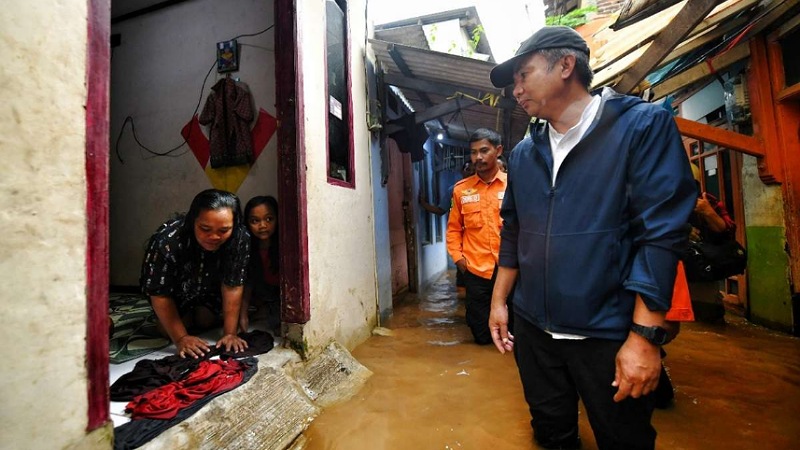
x=475 y=39
x=572 y=19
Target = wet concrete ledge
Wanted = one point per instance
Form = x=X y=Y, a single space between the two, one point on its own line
x=271 y=411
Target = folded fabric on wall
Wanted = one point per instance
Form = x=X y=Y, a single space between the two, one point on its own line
x=178 y=401
x=134 y=332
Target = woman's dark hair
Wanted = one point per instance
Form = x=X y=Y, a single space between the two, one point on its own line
x=214 y=199
x=272 y=204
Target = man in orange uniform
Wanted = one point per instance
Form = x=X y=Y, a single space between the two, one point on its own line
x=473 y=229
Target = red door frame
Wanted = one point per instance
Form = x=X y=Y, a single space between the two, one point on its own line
x=98 y=71
x=291 y=189
x=291 y=164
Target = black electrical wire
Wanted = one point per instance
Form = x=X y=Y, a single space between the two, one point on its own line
x=129 y=119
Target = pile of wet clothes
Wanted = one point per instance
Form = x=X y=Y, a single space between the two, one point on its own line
x=164 y=392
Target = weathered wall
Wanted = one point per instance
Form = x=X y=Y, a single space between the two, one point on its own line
x=769 y=296
x=342 y=255
x=380 y=195
x=43 y=246
x=156 y=78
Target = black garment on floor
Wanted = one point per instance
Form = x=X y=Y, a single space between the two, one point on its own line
x=258 y=342
x=149 y=374
x=138 y=432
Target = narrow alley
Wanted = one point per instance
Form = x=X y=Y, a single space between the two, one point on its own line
x=737 y=387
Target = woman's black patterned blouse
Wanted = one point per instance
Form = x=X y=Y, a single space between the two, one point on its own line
x=177 y=267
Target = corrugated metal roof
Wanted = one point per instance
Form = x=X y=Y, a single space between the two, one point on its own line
x=437 y=66
x=411 y=35
x=470 y=74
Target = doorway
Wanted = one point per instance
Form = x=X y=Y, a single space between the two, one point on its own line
x=721 y=171
x=152 y=76
x=401 y=223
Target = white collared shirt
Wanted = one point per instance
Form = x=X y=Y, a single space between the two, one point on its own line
x=560 y=146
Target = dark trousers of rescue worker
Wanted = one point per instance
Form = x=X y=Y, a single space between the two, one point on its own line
x=479 y=305
x=556 y=373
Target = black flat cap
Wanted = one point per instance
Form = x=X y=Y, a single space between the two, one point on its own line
x=548 y=37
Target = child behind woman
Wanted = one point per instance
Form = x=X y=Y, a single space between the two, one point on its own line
x=263 y=280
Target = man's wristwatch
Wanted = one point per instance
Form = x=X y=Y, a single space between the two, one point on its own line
x=654 y=335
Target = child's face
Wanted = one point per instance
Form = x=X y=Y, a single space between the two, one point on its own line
x=262 y=222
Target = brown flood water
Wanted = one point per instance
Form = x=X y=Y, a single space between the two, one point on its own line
x=737 y=387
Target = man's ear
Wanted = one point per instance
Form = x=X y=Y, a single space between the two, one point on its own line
x=499 y=149
x=567 y=65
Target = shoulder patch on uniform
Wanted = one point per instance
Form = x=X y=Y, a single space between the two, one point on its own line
x=461 y=181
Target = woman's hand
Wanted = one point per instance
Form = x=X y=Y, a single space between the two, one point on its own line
x=703 y=207
x=232 y=342
x=709 y=215
x=191 y=346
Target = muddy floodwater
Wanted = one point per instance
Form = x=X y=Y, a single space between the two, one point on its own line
x=737 y=387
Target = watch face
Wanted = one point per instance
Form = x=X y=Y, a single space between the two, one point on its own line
x=659 y=336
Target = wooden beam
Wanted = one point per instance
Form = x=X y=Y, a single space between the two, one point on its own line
x=696 y=42
x=700 y=71
x=719 y=136
x=692 y=13
x=762 y=110
x=435 y=112
x=774 y=11
x=444 y=89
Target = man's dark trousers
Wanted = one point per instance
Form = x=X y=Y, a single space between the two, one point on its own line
x=555 y=373
x=479 y=305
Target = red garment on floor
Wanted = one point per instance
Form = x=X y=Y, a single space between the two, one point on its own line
x=209 y=378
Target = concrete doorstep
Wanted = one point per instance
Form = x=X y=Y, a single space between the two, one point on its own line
x=271 y=411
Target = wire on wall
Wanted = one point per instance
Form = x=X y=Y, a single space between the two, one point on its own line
x=171 y=152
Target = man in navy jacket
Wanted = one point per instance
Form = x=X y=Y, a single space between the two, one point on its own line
x=594 y=216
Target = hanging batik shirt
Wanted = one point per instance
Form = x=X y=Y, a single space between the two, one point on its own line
x=187 y=273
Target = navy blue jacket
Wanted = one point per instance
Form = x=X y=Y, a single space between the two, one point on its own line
x=611 y=226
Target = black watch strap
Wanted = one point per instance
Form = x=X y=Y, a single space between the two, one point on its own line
x=655 y=335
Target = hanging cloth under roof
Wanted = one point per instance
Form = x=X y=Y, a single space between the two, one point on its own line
x=411 y=137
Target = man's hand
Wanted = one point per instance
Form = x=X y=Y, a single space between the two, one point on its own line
x=694 y=235
x=638 y=368
x=498 y=325
x=461 y=264
x=232 y=342
x=191 y=346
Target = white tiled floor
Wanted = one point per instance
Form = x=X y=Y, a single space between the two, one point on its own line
x=117 y=409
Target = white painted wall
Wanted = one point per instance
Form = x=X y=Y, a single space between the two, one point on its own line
x=156 y=77
x=43 y=215
x=342 y=255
